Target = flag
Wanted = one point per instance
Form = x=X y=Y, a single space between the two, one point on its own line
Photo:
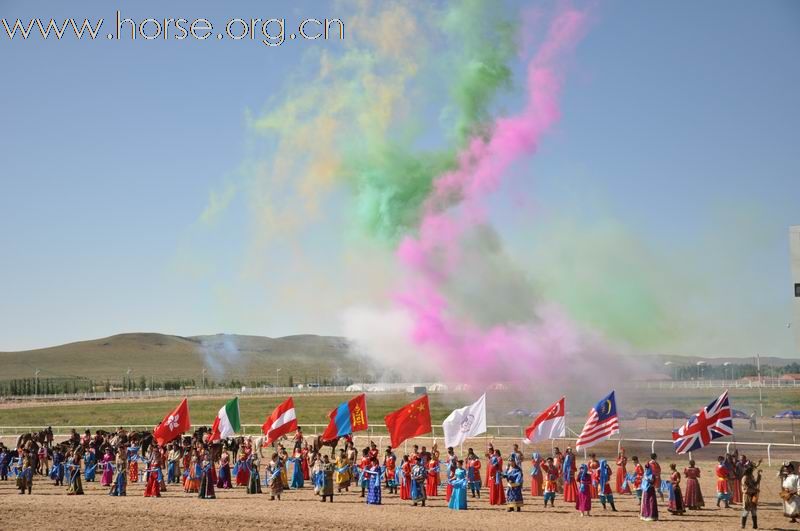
x=711 y=422
x=348 y=417
x=282 y=421
x=601 y=424
x=227 y=421
x=175 y=423
x=548 y=425
x=469 y=421
x=411 y=420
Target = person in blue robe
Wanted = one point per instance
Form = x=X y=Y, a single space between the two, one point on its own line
x=514 y=489
x=297 y=472
x=90 y=466
x=458 y=497
x=373 y=475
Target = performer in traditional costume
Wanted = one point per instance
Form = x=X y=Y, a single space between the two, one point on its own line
x=57 y=471
x=108 y=468
x=192 y=483
x=118 y=487
x=152 y=483
x=373 y=475
x=174 y=464
x=207 y=480
x=4 y=459
x=432 y=483
x=622 y=473
x=297 y=470
x=722 y=472
x=418 y=477
x=272 y=475
x=568 y=470
x=474 y=473
x=497 y=495
x=551 y=475
x=649 y=508
x=25 y=474
x=405 y=478
x=751 y=486
x=364 y=463
x=242 y=471
x=89 y=465
x=693 y=497
x=594 y=466
x=537 y=484
x=656 y=468
x=304 y=463
x=133 y=463
x=583 y=503
x=328 y=469
x=606 y=495
x=343 y=472
x=254 y=484
x=514 y=489
x=75 y=486
x=458 y=498
x=638 y=475
x=224 y=476
x=676 y=506
x=390 y=470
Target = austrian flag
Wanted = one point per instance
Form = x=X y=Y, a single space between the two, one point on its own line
x=283 y=420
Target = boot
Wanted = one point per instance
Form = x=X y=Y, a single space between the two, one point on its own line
x=744 y=521
x=612 y=507
x=755 y=522
x=604 y=505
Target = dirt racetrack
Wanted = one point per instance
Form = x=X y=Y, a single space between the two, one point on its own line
x=50 y=508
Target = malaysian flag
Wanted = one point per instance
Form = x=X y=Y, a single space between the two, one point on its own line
x=712 y=422
x=601 y=424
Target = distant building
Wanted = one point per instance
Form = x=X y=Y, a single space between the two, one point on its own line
x=794 y=246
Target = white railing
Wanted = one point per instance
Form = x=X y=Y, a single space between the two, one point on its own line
x=766 y=383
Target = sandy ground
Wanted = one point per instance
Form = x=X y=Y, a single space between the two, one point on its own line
x=50 y=508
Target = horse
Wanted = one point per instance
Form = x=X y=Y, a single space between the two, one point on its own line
x=317 y=443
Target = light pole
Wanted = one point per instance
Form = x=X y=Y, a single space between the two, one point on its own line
x=36 y=375
x=725 y=371
x=277 y=371
x=128 y=374
x=204 y=378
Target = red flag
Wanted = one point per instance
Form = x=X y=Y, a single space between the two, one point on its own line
x=173 y=425
x=411 y=420
x=282 y=421
x=348 y=417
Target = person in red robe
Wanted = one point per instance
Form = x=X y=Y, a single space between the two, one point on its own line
x=622 y=472
x=452 y=466
x=723 y=493
x=497 y=495
x=558 y=462
x=153 y=488
x=304 y=463
x=656 y=469
x=638 y=475
x=405 y=478
x=432 y=482
x=551 y=474
x=537 y=485
x=489 y=454
x=474 y=473
x=363 y=465
x=594 y=471
x=693 y=497
x=390 y=467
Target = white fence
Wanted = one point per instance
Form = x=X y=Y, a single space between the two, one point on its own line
x=766 y=383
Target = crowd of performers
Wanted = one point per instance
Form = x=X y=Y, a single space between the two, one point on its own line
x=197 y=467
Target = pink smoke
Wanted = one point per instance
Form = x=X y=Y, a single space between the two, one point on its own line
x=464 y=348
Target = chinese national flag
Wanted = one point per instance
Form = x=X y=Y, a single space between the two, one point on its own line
x=173 y=425
x=411 y=420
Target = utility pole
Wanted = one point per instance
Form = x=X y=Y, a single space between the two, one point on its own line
x=36 y=375
x=277 y=370
x=203 y=382
x=760 y=383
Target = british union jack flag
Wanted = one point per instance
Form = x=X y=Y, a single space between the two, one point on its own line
x=712 y=422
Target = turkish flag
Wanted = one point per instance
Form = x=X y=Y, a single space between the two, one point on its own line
x=173 y=425
x=411 y=420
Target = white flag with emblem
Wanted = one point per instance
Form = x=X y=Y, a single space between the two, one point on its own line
x=468 y=421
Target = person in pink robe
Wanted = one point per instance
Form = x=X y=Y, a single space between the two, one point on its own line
x=108 y=469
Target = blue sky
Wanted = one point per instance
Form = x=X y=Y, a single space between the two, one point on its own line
x=680 y=124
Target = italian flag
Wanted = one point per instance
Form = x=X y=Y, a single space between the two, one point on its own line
x=227 y=422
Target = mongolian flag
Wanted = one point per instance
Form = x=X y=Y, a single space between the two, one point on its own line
x=173 y=425
x=411 y=420
x=348 y=417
